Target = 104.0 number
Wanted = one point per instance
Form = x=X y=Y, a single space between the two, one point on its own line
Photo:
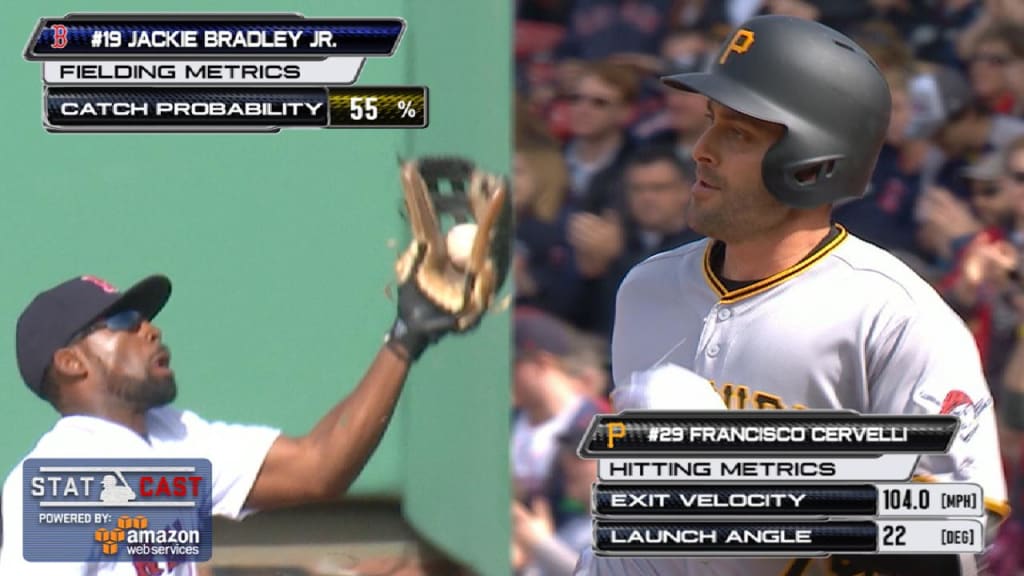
x=905 y=499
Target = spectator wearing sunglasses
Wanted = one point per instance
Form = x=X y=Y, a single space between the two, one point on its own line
x=987 y=63
x=95 y=354
x=599 y=115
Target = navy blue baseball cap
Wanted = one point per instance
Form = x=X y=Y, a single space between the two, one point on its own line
x=55 y=316
x=538 y=331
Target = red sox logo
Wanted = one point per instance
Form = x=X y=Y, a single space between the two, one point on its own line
x=103 y=284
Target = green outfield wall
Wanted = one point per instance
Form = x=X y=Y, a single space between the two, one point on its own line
x=280 y=247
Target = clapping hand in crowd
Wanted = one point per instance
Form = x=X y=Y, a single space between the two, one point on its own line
x=944 y=218
x=597 y=240
x=989 y=262
x=530 y=526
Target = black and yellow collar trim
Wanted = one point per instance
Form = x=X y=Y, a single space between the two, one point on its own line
x=727 y=297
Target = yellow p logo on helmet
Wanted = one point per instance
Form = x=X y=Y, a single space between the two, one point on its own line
x=740 y=43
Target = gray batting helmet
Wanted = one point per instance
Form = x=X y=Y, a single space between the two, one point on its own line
x=824 y=88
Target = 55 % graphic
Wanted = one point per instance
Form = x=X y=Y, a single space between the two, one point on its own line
x=367 y=107
x=398 y=107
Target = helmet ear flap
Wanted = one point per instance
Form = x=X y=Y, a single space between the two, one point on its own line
x=807 y=183
x=807 y=167
x=812 y=172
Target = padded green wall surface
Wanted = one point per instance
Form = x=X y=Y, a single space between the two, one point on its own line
x=280 y=247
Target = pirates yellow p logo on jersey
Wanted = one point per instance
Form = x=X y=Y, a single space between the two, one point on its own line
x=741 y=41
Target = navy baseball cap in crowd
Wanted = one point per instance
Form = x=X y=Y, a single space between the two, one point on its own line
x=537 y=331
x=55 y=316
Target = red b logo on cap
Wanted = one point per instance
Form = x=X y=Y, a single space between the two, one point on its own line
x=103 y=284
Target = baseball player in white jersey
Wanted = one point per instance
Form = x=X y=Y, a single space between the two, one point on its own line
x=94 y=355
x=781 y=309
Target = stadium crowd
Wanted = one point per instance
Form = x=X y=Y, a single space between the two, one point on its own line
x=602 y=177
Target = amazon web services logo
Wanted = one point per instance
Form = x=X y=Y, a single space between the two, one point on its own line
x=134 y=535
x=117 y=510
x=110 y=538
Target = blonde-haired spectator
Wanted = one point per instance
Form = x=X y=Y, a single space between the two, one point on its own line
x=541 y=180
x=545 y=266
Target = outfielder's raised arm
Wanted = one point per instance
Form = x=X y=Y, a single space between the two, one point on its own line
x=323 y=464
x=434 y=298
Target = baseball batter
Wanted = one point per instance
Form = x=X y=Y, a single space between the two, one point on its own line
x=781 y=309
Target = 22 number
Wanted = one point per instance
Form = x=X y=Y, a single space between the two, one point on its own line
x=894 y=535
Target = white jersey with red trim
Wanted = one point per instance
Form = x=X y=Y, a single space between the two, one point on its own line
x=849 y=327
x=236 y=453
